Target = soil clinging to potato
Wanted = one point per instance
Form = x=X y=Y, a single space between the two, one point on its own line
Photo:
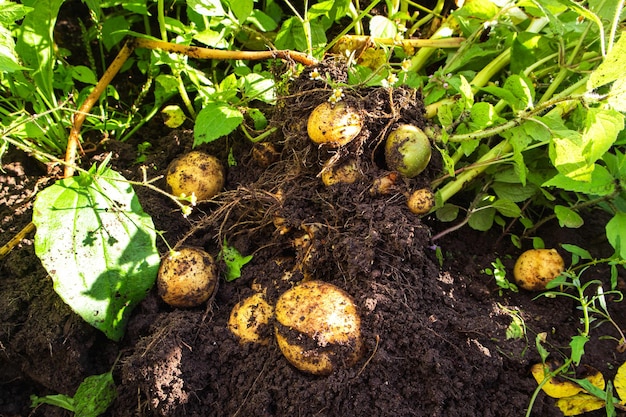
x=434 y=336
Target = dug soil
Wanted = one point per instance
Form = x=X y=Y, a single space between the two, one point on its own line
x=434 y=324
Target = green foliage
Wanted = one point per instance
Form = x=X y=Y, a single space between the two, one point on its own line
x=92 y=398
x=498 y=272
x=98 y=245
x=234 y=261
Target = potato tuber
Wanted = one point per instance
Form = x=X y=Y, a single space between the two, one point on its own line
x=195 y=173
x=421 y=201
x=248 y=318
x=536 y=267
x=407 y=150
x=187 y=277
x=318 y=327
x=334 y=125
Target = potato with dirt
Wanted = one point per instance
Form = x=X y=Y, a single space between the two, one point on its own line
x=318 y=327
x=535 y=268
x=249 y=317
x=334 y=125
x=187 y=277
x=421 y=201
x=407 y=150
x=195 y=173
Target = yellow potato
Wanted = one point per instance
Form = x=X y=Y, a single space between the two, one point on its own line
x=334 y=125
x=318 y=327
x=195 y=172
x=187 y=277
x=346 y=173
x=248 y=318
x=421 y=201
x=536 y=267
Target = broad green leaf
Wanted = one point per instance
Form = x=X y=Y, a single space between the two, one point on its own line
x=35 y=44
x=214 y=121
x=483 y=115
x=11 y=12
x=568 y=217
x=258 y=87
x=94 y=395
x=611 y=68
x=601 y=183
x=381 y=27
x=84 y=74
x=507 y=208
x=241 y=8
x=114 y=29
x=291 y=35
x=616 y=234
x=207 y=7
x=482 y=220
x=447 y=213
x=98 y=245
x=617 y=95
x=514 y=192
x=574 y=154
x=262 y=21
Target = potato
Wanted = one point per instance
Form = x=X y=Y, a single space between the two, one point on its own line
x=187 y=277
x=536 y=267
x=346 y=173
x=407 y=150
x=421 y=201
x=334 y=125
x=195 y=173
x=248 y=318
x=318 y=328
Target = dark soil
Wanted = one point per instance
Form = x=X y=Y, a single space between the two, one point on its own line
x=435 y=336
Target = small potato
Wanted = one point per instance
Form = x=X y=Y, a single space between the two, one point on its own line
x=249 y=317
x=346 y=173
x=195 y=173
x=407 y=150
x=334 y=125
x=187 y=277
x=536 y=267
x=421 y=201
x=318 y=327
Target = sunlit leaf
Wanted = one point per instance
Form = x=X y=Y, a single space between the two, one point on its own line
x=612 y=68
x=579 y=404
x=568 y=217
x=620 y=383
x=214 y=121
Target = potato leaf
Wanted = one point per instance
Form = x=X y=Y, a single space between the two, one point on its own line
x=616 y=234
x=620 y=383
x=98 y=245
x=579 y=404
x=612 y=68
x=94 y=395
x=214 y=121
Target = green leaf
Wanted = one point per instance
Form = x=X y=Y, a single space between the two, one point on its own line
x=482 y=220
x=568 y=217
x=94 y=395
x=84 y=74
x=507 y=208
x=577 y=250
x=447 y=213
x=214 y=121
x=98 y=245
x=207 y=7
x=57 y=400
x=262 y=21
x=234 y=261
x=381 y=27
x=601 y=183
x=616 y=234
x=259 y=87
x=617 y=95
x=173 y=116
x=241 y=8
x=578 y=347
x=611 y=68
x=35 y=44
x=11 y=12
